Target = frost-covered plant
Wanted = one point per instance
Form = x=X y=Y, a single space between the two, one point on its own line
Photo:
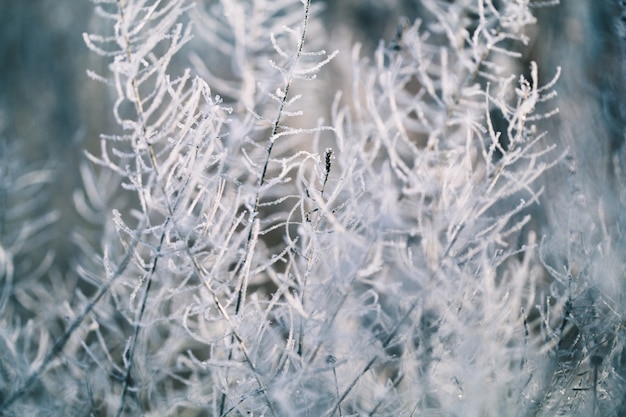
x=270 y=253
x=26 y=276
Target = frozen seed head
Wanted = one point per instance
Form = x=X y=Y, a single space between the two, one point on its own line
x=328 y=156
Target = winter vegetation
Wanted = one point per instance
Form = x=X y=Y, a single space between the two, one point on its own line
x=284 y=214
